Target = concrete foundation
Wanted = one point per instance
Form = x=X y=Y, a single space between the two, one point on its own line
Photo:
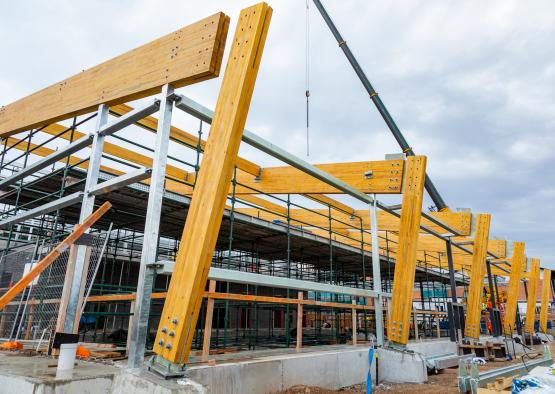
x=37 y=375
x=401 y=367
x=330 y=369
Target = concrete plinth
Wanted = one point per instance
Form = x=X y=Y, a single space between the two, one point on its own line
x=37 y=375
x=330 y=369
x=433 y=347
x=142 y=382
x=401 y=367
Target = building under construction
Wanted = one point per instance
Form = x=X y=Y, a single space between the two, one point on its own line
x=159 y=248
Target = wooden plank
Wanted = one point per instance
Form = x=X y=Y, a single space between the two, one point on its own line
x=386 y=178
x=203 y=221
x=517 y=263
x=208 y=322
x=53 y=255
x=188 y=55
x=477 y=273
x=354 y=323
x=546 y=291
x=533 y=280
x=405 y=264
x=299 y=343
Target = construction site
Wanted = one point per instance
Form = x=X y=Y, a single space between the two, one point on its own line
x=138 y=255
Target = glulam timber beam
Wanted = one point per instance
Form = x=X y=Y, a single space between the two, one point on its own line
x=405 y=264
x=533 y=280
x=477 y=274
x=518 y=262
x=546 y=291
x=386 y=222
x=188 y=55
x=185 y=293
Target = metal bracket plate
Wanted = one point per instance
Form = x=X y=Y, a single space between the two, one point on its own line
x=165 y=368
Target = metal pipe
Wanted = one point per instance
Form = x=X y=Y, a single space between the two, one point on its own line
x=430 y=187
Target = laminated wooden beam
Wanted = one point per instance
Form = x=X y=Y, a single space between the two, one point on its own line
x=477 y=274
x=183 y=302
x=188 y=55
x=405 y=264
x=546 y=291
x=518 y=262
x=533 y=281
x=383 y=176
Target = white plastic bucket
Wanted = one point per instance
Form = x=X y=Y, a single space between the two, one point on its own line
x=66 y=360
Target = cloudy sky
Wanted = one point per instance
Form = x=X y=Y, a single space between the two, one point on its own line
x=470 y=84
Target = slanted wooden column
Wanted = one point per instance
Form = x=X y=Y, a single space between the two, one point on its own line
x=533 y=279
x=185 y=293
x=546 y=290
x=405 y=263
x=517 y=263
x=477 y=273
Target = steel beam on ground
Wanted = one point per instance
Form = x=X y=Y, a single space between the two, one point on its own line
x=139 y=326
x=50 y=159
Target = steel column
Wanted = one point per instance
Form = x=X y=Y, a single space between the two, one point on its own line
x=139 y=326
x=87 y=208
x=455 y=323
x=376 y=273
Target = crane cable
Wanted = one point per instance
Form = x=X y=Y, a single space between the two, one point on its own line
x=307 y=76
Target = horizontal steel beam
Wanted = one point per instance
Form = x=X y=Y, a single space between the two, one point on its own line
x=130 y=118
x=121 y=181
x=43 y=209
x=67 y=150
x=201 y=112
x=165 y=267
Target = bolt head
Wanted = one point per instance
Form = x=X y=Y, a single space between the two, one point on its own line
x=169 y=346
x=172 y=333
x=161 y=342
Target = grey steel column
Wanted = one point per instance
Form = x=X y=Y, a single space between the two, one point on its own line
x=376 y=273
x=86 y=209
x=139 y=325
x=493 y=309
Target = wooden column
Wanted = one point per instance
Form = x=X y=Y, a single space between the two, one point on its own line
x=30 y=319
x=546 y=290
x=354 y=323
x=185 y=293
x=208 y=322
x=300 y=321
x=438 y=329
x=533 y=279
x=477 y=274
x=405 y=263
x=517 y=263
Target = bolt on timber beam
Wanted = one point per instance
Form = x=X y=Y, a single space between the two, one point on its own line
x=181 y=309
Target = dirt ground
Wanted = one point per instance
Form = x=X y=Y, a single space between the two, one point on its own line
x=444 y=382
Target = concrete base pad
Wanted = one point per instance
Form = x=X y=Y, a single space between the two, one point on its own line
x=142 y=382
x=37 y=375
x=401 y=367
